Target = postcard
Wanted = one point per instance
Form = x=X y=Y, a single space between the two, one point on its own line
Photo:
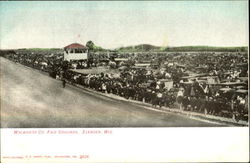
x=124 y=81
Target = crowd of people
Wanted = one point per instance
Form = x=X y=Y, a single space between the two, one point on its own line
x=163 y=85
x=135 y=84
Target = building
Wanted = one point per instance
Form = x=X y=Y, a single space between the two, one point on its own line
x=75 y=52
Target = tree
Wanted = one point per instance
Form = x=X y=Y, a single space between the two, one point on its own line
x=90 y=45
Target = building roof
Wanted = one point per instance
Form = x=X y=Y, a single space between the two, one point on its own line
x=75 y=46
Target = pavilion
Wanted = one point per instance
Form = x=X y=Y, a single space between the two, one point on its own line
x=75 y=52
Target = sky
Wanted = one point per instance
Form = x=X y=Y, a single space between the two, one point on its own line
x=112 y=24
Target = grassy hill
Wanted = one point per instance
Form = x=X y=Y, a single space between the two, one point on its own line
x=149 y=48
x=137 y=48
x=206 y=48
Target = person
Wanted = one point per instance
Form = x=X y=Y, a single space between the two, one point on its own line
x=159 y=98
x=153 y=99
x=104 y=88
x=180 y=95
x=64 y=83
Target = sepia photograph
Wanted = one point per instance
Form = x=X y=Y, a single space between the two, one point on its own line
x=101 y=67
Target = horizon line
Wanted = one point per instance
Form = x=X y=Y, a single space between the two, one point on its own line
x=132 y=46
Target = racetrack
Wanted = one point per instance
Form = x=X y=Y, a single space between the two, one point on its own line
x=30 y=99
